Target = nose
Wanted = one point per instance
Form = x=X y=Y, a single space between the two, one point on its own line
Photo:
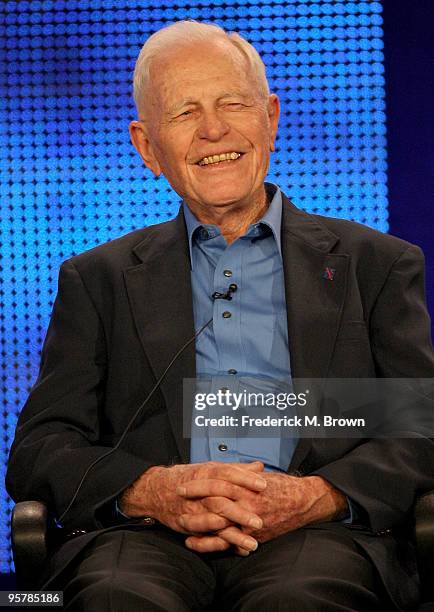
x=212 y=126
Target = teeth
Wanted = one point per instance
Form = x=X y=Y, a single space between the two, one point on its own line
x=214 y=159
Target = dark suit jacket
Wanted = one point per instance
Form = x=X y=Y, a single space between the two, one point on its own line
x=123 y=310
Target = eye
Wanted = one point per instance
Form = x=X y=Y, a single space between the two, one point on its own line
x=184 y=114
x=234 y=105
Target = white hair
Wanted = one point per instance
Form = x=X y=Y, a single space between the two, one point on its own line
x=185 y=32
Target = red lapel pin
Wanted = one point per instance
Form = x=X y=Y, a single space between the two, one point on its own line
x=329 y=273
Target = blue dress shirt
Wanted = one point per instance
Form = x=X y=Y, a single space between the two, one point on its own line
x=246 y=347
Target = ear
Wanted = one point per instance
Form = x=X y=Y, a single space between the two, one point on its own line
x=140 y=139
x=273 y=109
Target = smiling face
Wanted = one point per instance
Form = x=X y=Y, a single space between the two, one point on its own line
x=207 y=126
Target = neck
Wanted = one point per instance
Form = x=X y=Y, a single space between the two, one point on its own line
x=234 y=219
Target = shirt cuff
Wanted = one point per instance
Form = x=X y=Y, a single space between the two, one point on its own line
x=121 y=518
x=353 y=514
x=120 y=515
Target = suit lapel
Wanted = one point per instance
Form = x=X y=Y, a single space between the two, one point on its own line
x=160 y=296
x=315 y=285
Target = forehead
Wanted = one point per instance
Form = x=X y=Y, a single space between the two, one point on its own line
x=199 y=69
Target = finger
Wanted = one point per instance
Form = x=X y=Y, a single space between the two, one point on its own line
x=241 y=551
x=233 y=511
x=254 y=466
x=211 y=486
x=203 y=522
x=236 y=537
x=205 y=544
x=247 y=478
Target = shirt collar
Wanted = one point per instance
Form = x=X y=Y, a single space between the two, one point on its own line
x=272 y=218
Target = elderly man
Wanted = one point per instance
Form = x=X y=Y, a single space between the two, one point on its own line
x=162 y=522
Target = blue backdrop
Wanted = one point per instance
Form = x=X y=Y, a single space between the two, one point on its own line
x=70 y=178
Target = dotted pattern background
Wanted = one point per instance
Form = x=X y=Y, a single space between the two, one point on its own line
x=70 y=178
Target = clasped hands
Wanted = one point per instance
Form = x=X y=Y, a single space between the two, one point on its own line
x=219 y=505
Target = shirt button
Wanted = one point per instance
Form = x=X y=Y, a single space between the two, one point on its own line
x=226 y=314
x=227 y=272
x=222 y=447
x=232 y=371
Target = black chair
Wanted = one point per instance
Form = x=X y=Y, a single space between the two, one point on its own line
x=34 y=534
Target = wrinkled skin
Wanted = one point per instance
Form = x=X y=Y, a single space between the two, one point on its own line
x=286 y=504
x=219 y=505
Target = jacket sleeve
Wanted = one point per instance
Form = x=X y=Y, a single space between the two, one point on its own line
x=58 y=430
x=384 y=476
